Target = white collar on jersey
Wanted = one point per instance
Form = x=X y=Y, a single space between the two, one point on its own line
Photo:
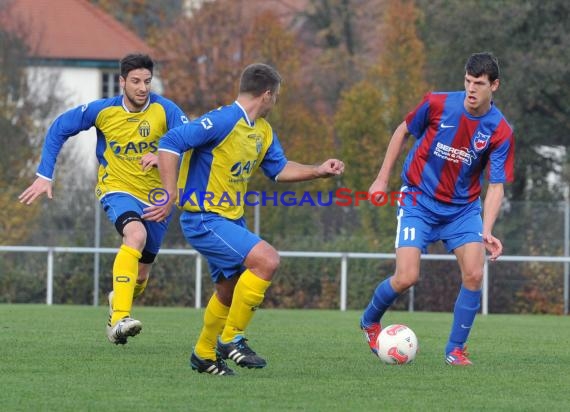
x=249 y=122
x=142 y=110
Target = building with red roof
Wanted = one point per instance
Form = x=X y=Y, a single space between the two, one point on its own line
x=79 y=45
x=73 y=31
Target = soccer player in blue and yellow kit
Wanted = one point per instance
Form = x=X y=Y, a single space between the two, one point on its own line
x=220 y=151
x=128 y=128
x=459 y=135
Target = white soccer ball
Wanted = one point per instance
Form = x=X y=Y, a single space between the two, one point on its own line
x=397 y=345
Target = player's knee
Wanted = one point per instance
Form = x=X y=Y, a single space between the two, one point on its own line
x=272 y=261
x=134 y=235
x=401 y=283
x=473 y=279
x=131 y=227
x=263 y=260
x=136 y=239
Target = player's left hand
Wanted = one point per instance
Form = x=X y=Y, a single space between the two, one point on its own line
x=148 y=161
x=331 y=167
x=493 y=246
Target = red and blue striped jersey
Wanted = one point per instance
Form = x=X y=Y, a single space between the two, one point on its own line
x=453 y=149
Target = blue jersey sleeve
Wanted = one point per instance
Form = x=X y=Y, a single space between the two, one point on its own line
x=274 y=160
x=501 y=162
x=64 y=126
x=210 y=128
x=174 y=115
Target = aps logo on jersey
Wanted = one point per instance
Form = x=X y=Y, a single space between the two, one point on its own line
x=132 y=148
x=243 y=168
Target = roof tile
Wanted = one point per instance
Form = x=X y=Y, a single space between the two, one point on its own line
x=73 y=29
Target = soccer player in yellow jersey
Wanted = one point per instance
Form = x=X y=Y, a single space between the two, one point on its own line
x=128 y=127
x=220 y=151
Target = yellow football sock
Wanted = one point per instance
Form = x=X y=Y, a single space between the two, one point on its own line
x=214 y=320
x=248 y=295
x=140 y=287
x=125 y=272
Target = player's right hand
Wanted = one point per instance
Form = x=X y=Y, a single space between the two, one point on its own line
x=157 y=213
x=377 y=190
x=493 y=246
x=35 y=190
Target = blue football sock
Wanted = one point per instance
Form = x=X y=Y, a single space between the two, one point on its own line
x=383 y=297
x=466 y=307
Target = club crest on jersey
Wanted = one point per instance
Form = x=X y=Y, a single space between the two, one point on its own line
x=144 y=128
x=481 y=141
x=258 y=141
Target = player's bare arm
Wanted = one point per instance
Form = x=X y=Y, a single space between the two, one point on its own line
x=492 y=206
x=36 y=189
x=297 y=172
x=168 y=169
x=395 y=148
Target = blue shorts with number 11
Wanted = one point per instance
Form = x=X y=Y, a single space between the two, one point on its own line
x=428 y=220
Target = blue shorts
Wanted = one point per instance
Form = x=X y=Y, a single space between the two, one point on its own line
x=225 y=243
x=116 y=204
x=428 y=220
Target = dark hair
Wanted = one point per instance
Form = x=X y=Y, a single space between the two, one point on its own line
x=135 y=61
x=257 y=78
x=483 y=63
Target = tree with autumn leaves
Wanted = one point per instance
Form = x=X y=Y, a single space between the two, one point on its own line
x=369 y=111
x=20 y=107
x=211 y=60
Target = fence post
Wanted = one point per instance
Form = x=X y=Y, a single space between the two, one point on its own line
x=343 y=281
x=96 y=255
x=411 y=296
x=485 y=297
x=566 y=252
x=198 y=282
x=49 y=280
x=256 y=219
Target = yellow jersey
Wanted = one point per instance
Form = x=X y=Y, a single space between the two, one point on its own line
x=220 y=152
x=123 y=138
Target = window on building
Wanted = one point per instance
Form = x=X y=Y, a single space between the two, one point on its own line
x=110 y=85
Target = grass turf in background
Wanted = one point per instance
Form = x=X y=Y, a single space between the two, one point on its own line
x=58 y=358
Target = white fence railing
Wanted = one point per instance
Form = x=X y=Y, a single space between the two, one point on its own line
x=344 y=258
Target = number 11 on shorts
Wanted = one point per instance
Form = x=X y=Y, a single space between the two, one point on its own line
x=409 y=233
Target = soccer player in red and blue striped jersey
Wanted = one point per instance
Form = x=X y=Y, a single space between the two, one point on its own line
x=460 y=138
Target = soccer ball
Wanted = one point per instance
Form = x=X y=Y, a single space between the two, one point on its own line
x=397 y=345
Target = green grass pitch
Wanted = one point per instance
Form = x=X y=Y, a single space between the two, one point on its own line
x=57 y=358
